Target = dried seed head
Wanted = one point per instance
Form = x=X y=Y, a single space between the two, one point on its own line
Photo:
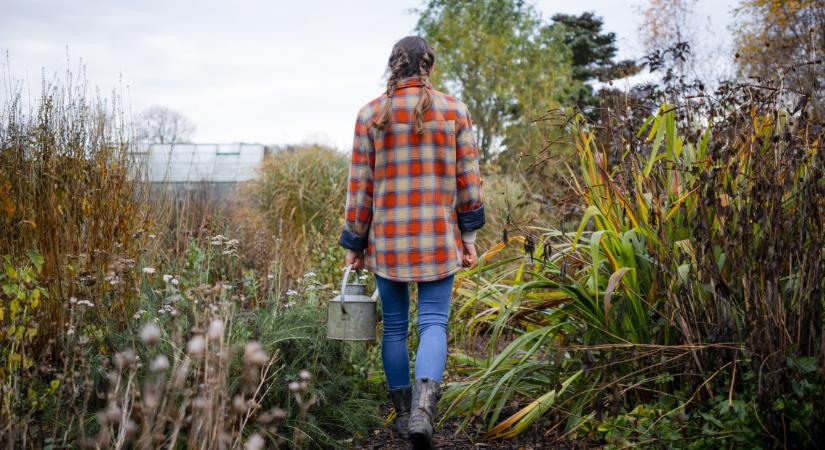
x=216 y=328
x=124 y=359
x=196 y=345
x=239 y=405
x=199 y=403
x=274 y=414
x=150 y=334
x=278 y=414
x=112 y=412
x=150 y=400
x=254 y=354
x=255 y=442
x=159 y=364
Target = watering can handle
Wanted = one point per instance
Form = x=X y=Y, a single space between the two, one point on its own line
x=344 y=285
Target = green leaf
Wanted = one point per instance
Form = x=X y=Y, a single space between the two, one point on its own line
x=36 y=259
x=654 y=152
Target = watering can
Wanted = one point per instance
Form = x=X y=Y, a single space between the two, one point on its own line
x=351 y=315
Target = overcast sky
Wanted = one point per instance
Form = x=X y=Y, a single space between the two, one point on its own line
x=261 y=71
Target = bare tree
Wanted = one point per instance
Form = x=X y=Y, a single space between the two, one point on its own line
x=667 y=23
x=161 y=125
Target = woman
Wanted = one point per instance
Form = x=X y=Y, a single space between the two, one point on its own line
x=413 y=208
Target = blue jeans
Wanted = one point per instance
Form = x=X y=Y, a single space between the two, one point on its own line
x=433 y=313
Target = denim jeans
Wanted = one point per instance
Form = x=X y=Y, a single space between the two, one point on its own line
x=433 y=313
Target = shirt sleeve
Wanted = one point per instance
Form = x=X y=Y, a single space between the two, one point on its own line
x=469 y=206
x=359 y=188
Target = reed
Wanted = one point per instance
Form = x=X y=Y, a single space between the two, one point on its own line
x=697 y=267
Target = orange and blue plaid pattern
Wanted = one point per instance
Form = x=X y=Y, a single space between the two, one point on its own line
x=411 y=195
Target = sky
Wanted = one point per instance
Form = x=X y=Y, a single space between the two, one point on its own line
x=263 y=71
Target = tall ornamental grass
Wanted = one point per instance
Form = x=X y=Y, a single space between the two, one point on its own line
x=68 y=191
x=300 y=195
x=687 y=303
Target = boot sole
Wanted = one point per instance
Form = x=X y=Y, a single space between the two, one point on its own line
x=420 y=441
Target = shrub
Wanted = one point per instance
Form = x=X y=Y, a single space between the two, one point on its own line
x=301 y=195
x=508 y=204
x=69 y=192
x=697 y=268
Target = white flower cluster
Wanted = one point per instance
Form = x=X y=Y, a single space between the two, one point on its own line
x=230 y=246
x=168 y=309
x=75 y=301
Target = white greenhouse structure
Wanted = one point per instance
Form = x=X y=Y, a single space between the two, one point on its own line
x=185 y=167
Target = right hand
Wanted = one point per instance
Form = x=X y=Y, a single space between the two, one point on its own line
x=355 y=259
x=469 y=258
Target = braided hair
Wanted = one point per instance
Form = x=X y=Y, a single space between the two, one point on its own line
x=412 y=56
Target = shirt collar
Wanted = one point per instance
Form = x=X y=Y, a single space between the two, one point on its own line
x=409 y=82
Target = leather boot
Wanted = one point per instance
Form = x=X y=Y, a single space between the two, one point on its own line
x=425 y=395
x=402 y=401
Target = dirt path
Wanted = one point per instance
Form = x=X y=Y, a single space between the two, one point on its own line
x=447 y=439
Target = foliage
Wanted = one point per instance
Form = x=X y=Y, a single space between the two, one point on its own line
x=679 y=272
x=299 y=195
x=344 y=375
x=786 y=37
x=666 y=23
x=508 y=203
x=68 y=192
x=19 y=314
x=147 y=321
x=495 y=55
x=593 y=52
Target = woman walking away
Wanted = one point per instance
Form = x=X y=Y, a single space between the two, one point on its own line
x=413 y=209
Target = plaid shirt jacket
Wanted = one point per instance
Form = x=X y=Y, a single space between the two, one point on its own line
x=411 y=195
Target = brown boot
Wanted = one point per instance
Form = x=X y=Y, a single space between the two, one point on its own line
x=402 y=401
x=425 y=395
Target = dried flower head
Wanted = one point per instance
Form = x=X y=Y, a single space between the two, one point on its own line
x=159 y=364
x=216 y=328
x=196 y=345
x=254 y=354
x=239 y=405
x=150 y=333
x=125 y=359
x=255 y=442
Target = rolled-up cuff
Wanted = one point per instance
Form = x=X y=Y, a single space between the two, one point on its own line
x=471 y=220
x=352 y=241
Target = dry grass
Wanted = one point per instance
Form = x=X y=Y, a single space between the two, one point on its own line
x=69 y=192
x=300 y=193
x=132 y=320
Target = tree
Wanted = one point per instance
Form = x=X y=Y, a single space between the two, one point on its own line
x=504 y=62
x=784 y=37
x=592 y=56
x=676 y=27
x=160 y=125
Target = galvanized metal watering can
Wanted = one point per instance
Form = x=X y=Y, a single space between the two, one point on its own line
x=351 y=315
